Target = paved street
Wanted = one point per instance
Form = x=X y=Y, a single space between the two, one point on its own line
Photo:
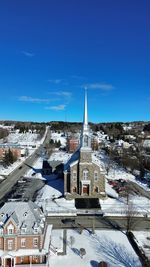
x=110 y=222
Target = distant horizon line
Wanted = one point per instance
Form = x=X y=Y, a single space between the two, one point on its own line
x=102 y=122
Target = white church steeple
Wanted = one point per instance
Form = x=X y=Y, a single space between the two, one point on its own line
x=85 y=120
x=85 y=139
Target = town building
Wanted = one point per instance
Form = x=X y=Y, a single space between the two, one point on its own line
x=24 y=236
x=73 y=143
x=83 y=177
x=15 y=149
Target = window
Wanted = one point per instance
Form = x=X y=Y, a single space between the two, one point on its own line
x=74 y=189
x=23 y=230
x=35 y=230
x=35 y=258
x=23 y=242
x=22 y=259
x=85 y=174
x=10 y=229
x=10 y=244
x=96 y=189
x=95 y=176
x=74 y=175
x=35 y=242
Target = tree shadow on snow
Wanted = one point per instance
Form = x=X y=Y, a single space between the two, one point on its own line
x=76 y=251
x=114 y=253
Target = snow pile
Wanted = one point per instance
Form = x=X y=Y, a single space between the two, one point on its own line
x=110 y=191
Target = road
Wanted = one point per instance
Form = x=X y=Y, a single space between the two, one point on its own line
x=99 y=222
x=11 y=180
x=137 y=188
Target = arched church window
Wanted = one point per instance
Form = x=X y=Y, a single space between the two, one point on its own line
x=96 y=189
x=74 y=175
x=95 y=175
x=85 y=174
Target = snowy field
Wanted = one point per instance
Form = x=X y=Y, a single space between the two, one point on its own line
x=105 y=245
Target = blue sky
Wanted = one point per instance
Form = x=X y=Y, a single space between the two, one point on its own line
x=51 y=49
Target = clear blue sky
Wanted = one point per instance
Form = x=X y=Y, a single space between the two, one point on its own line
x=51 y=49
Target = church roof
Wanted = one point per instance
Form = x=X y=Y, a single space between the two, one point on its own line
x=72 y=160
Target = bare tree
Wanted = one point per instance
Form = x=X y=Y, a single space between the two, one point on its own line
x=130 y=212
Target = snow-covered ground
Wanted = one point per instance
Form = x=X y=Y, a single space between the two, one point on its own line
x=51 y=199
x=115 y=171
x=60 y=156
x=110 y=246
x=140 y=206
x=22 y=138
x=28 y=140
x=7 y=170
x=143 y=241
x=35 y=171
x=58 y=137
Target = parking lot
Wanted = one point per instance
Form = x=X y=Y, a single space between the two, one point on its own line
x=24 y=190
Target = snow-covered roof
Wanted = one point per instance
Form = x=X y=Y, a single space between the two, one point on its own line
x=73 y=158
x=23 y=213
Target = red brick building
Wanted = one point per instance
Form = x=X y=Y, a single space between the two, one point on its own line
x=15 y=150
x=24 y=237
x=73 y=144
